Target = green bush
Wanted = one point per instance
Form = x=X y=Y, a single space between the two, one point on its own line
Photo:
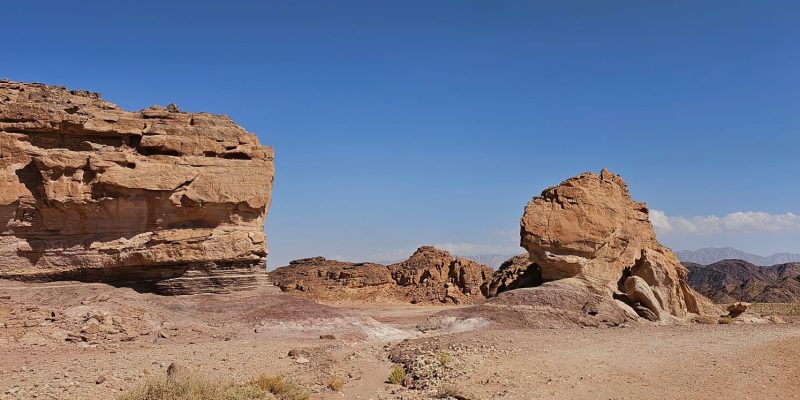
x=397 y=375
x=443 y=358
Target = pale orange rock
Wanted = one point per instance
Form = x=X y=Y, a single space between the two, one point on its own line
x=167 y=200
x=588 y=228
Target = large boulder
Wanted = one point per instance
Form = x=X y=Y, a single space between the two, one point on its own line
x=429 y=276
x=589 y=229
x=159 y=199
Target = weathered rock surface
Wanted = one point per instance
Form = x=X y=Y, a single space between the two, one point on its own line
x=160 y=199
x=639 y=294
x=589 y=228
x=429 y=276
x=593 y=261
x=558 y=304
x=729 y=281
x=515 y=273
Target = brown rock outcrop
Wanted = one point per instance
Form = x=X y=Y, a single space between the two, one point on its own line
x=589 y=229
x=160 y=199
x=322 y=278
x=515 y=273
x=429 y=276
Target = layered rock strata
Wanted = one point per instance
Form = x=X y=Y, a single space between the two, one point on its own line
x=429 y=276
x=158 y=199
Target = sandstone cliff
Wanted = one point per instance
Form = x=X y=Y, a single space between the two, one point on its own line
x=429 y=276
x=159 y=199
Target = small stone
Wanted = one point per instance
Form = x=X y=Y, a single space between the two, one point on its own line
x=296 y=353
x=737 y=308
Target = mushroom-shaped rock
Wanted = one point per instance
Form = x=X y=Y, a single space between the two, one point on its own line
x=590 y=229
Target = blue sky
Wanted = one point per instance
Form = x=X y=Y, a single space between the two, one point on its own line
x=400 y=123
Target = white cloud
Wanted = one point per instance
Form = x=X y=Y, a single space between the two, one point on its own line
x=745 y=222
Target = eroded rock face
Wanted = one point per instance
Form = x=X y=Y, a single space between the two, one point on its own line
x=589 y=228
x=429 y=276
x=515 y=273
x=166 y=200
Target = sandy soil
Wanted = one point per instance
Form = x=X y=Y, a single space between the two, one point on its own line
x=240 y=336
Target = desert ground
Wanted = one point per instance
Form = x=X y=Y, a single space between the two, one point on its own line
x=48 y=351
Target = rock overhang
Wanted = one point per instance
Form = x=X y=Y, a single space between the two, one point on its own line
x=164 y=199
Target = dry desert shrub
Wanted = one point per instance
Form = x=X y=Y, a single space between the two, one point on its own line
x=280 y=387
x=451 y=391
x=190 y=386
x=335 y=383
x=397 y=375
x=706 y=320
x=725 y=320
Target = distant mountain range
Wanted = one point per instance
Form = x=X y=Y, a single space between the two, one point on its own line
x=728 y=281
x=710 y=255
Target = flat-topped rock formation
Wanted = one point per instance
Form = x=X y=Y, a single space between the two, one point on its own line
x=429 y=276
x=159 y=199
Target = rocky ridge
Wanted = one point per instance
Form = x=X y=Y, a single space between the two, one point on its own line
x=710 y=255
x=730 y=281
x=159 y=199
x=429 y=276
